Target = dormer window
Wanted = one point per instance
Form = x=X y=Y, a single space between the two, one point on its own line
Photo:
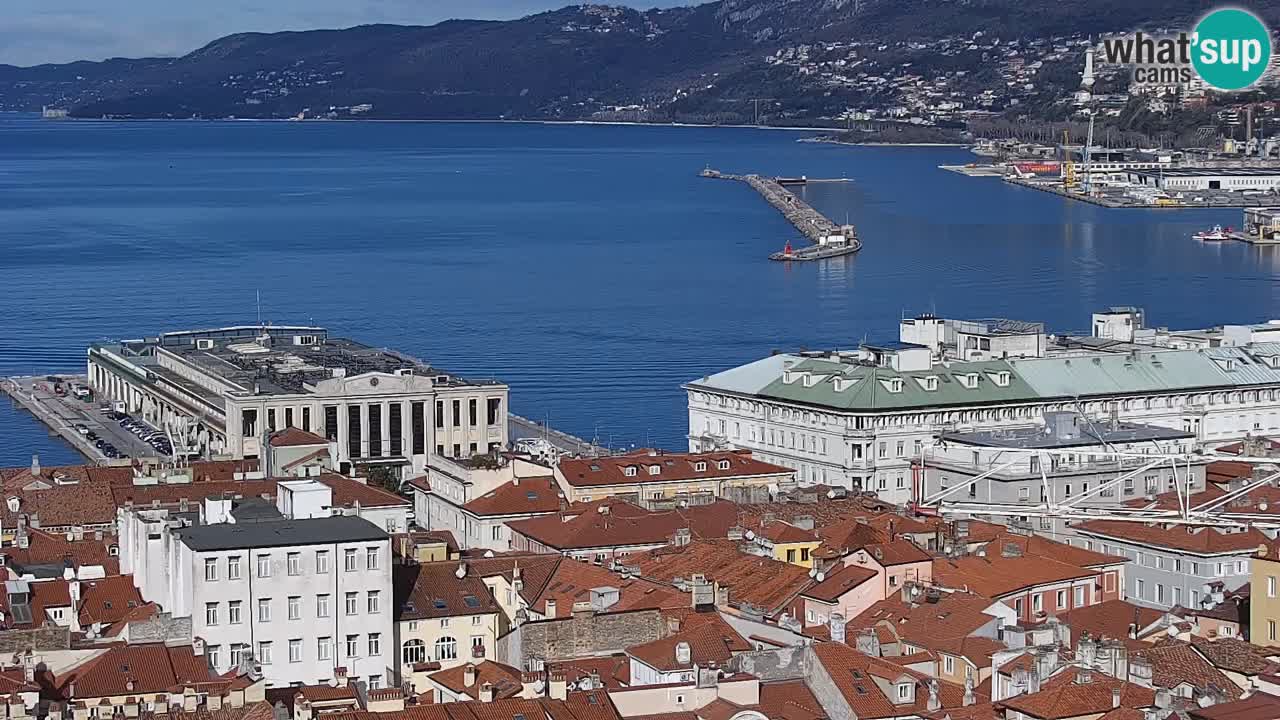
x=655 y=469
x=1274 y=361
x=904 y=692
x=788 y=377
x=724 y=465
x=969 y=380
x=700 y=466
x=1002 y=378
x=931 y=383
x=895 y=385
x=629 y=471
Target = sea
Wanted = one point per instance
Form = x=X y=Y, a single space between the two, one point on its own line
x=588 y=266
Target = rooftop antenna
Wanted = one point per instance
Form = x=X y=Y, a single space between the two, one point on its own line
x=257 y=294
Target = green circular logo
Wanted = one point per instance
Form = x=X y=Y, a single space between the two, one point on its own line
x=1231 y=49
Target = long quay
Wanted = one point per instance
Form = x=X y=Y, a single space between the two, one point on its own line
x=828 y=238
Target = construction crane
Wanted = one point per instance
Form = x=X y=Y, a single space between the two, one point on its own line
x=1068 y=165
x=757 y=102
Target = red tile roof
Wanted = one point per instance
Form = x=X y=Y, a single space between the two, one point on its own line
x=751 y=579
x=531 y=496
x=940 y=625
x=1194 y=539
x=58 y=497
x=837 y=582
x=1259 y=706
x=504 y=679
x=295 y=437
x=1174 y=662
x=896 y=552
x=784 y=533
x=134 y=670
x=1109 y=619
x=1062 y=697
x=786 y=700
x=49 y=548
x=1236 y=655
x=672 y=467
x=108 y=600
x=614 y=671
x=616 y=523
x=434 y=590
x=996 y=576
x=711 y=641
x=855 y=674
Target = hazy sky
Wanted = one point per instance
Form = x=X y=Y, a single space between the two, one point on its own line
x=40 y=31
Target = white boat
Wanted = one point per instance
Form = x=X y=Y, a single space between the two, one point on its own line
x=1214 y=235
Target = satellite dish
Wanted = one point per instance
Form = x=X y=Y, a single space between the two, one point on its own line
x=820 y=577
x=751 y=535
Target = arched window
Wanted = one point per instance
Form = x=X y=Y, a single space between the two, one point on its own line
x=446 y=648
x=415 y=651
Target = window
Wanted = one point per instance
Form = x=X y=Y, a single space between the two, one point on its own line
x=1079 y=596
x=375 y=644
x=352 y=603
x=295 y=607
x=210 y=569
x=233 y=567
x=295 y=650
x=700 y=467
x=904 y=691
x=472 y=412
x=264 y=610
x=294 y=563
x=414 y=651
x=322 y=562
x=629 y=471
x=1271 y=586
x=457 y=413
x=371 y=558
x=492 y=409
x=655 y=469
x=1142 y=589
x=349 y=559
x=948 y=664
x=375 y=602
x=446 y=648
x=324 y=648
x=723 y=464
x=1062 y=599
x=322 y=606
x=375 y=682
x=264 y=566
x=353 y=646
x=213 y=652
x=264 y=652
x=497 y=532
x=233 y=613
x=1037 y=602
x=211 y=614
x=237 y=654
x=1271 y=629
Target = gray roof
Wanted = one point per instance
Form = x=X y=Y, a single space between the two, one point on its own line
x=280 y=533
x=867 y=388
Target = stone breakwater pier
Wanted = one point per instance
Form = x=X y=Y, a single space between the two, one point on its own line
x=828 y=239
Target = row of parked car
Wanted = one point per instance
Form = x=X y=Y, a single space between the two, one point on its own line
x=146 y=433
x=104 y=446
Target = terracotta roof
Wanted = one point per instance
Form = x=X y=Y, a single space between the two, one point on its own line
x=1039 y=546
x=711 y=641
x=786 y=700
x=135 y=669
x=937 y=625
x=42 y=599
x=295 y=437
x=1235 y=655
x=433 y=590
x=1174 y=662
x=49 y=548
x=594 y=705
x=1109 y=619
x=504 y=679
x=838 y=582
x=348 y=492
x=672 y=467
x=326 y=693
x=896 y=552
x=1124 y=713
x=855 y=674
x=1062 y=697
x=1258 y=706
x=108 y=600
x=531 y=496
x=1199 y=540
x=977 y=711
x=58 y=497
x=614 y=671
x=616 y=523
x=751 y=579
x=848 y=535
x=783 y=533
x=995 y=575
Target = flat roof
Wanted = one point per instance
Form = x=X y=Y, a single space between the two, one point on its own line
x=280 y=533
x=1091 y=434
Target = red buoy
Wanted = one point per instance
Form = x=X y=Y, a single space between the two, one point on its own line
x=787 y=250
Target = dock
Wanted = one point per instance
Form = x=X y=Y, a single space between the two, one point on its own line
x=61 y=415
x=521 y=427
x=828 y=238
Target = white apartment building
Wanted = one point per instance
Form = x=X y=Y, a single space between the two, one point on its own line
x=475 y=499
x=861 y=419
x=302 y=594
x=222 y=391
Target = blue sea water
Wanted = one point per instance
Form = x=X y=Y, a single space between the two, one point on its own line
x=587 y=266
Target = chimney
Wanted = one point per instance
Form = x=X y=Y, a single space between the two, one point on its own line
x=559 y=686
x=469 y=675
x=935 y=703
x=35 y=465
x=1115 y=696
x=1163 y=698
x=969 y=697
x=836 y=624
x=551 y=608
x=486 y=692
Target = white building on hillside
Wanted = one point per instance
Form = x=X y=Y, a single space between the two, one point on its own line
x=302 y=591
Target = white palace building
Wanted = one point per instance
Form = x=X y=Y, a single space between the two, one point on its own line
x=861 y=419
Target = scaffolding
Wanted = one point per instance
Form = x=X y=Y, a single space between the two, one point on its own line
x=1231 y=510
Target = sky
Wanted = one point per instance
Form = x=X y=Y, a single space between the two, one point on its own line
x=44 y=31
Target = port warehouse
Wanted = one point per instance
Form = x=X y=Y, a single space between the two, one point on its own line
x=861 y=418
x=221 y=391
x=1223 y=178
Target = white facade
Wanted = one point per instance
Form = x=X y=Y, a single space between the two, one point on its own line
x=453 y=485
x=1218 y=394
x=301 y=609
